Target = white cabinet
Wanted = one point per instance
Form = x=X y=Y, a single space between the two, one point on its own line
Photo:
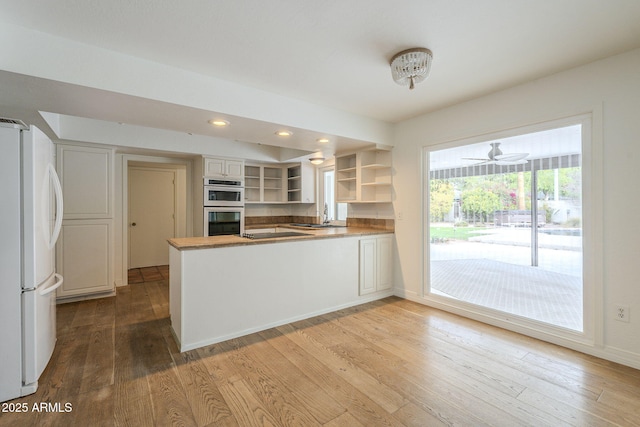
x=252 y=183
x=376 y=264
x=272 y=184
x=384 y=259
x=275 y=183
x=223 y=168
x=84 y=257
x=301 y=183
x=86 y=179
x=364 y=177
x=368 y=261
x=84 y=252
x=263 y=183
x=346 y=180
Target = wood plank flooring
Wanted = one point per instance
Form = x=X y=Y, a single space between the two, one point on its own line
x=386 y=363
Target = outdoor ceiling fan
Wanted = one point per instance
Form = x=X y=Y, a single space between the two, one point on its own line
x=496 y=157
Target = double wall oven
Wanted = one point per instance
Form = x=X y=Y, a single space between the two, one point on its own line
x=223 y=207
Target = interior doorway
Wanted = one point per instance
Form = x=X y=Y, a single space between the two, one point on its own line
x=152 y=214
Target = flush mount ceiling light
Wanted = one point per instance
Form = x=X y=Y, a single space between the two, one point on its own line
x=411 y=66
x=219 y=122
x=284 y=133
x=316 y=160
x=322 y=140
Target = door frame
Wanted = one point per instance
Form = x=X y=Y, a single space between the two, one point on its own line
x=151 y=161
x=592 y=197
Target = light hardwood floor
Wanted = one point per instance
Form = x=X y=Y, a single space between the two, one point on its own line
x=391 y=362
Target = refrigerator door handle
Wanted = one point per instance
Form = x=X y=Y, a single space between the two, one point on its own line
x=59 y=281
x=57 y=187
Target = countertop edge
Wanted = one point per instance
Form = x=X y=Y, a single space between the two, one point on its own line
x=194 y=243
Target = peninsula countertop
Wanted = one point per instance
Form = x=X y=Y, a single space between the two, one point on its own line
x=188 y=243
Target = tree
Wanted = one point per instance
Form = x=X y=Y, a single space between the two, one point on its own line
x=480 y=202
x=441 y=199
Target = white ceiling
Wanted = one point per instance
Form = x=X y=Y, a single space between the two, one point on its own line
x=330 y=53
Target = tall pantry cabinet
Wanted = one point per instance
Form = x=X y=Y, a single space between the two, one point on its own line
x=84 y=253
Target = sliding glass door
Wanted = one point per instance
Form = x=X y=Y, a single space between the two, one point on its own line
x=505 y=225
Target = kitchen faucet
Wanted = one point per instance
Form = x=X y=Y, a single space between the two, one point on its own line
x=325 y=219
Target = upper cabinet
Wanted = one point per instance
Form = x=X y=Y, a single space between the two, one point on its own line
x=263 y=183
x=301 y=183
x=86 y=175
x=274 y=183
x=364 y=177
x=223 y=168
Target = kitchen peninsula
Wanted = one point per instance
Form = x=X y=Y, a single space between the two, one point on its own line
x=222 y=287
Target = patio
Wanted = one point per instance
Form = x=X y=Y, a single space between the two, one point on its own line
x=494 y=270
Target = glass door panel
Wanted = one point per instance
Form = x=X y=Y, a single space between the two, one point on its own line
x=505 y=225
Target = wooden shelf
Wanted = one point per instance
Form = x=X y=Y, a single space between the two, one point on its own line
x=375 y=184
x=364 y=177
x=375 y=166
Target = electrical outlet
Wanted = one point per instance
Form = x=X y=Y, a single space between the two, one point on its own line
x=622 y=313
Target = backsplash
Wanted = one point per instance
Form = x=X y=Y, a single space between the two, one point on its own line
x=380 y=224
x=280 y=219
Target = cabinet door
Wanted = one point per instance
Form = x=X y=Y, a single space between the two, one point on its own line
x=86 y=178
x=368 y=271
x=214 y=168
x=234 y=169
x=384 y=252
x=84 y=257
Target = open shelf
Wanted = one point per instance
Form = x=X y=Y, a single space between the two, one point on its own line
x=364 y=177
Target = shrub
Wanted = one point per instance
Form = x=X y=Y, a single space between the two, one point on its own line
x=572 y=223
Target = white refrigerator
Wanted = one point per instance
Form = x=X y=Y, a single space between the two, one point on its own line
x=30 y=221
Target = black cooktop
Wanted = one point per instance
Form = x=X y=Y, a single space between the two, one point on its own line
x=256 y=236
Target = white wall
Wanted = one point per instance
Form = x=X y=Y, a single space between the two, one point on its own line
x=610 y=89
x=38 y=54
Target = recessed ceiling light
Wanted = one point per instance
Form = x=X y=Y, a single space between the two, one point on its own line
x=284 y=133
x=322 y=140
x=219 y=122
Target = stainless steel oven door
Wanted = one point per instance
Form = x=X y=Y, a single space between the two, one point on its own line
x=223 y=182
x=220 y=221
x=215 y=195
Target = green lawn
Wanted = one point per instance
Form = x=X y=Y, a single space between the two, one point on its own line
x=458 y=233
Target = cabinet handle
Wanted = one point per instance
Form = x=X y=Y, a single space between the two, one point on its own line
x=133 y=224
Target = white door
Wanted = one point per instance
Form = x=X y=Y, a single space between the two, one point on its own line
x=152 y=206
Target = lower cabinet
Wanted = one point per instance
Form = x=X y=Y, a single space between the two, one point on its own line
x=84 y=252
x=376 y=264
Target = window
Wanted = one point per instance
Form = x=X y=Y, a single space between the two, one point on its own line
x=504 y=224
x=336 y=213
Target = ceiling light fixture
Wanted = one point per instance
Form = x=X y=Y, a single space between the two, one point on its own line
x=322 y=140
x=316 y=160
x=219 y=122
x=284 y=133
x=411 y=66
